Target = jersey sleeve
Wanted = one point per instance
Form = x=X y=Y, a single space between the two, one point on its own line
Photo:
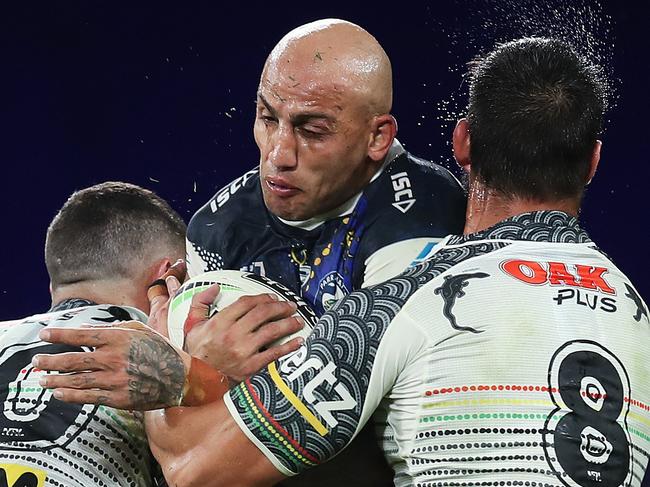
x=306 y=407
x=209 y=232
x=392 y=259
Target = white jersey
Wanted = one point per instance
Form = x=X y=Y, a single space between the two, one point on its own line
x=46 y=442
x=514 y=356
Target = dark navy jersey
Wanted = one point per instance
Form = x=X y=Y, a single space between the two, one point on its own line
x=412 y=202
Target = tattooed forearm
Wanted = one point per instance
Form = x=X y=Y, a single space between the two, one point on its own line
x=156 y=373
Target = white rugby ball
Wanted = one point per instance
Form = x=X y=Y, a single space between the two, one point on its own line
x=233 y=284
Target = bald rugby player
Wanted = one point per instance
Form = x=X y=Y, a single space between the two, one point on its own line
x=336 y=203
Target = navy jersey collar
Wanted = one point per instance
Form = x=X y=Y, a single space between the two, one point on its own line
x=535 y=226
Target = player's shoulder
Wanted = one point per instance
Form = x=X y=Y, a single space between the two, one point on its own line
x=230 y=201
x=95 y=314
x=410 y=185
x=412 y=198
x=110 y=313
x=69 y=318
x=425 y=177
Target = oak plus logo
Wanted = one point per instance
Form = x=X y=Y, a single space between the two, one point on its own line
x=558 y=274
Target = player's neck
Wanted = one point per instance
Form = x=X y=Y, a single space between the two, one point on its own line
x=486 y=208
x=120 y=292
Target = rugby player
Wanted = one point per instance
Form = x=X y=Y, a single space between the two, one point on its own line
x=103 y=248
x=515 y=355
x=336 y=202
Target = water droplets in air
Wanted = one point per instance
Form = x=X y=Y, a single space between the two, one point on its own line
x=484 y=23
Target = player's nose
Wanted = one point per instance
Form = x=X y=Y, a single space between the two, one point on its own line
x=284 y=149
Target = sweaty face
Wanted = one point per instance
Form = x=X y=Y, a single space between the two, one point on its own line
x=313 y=138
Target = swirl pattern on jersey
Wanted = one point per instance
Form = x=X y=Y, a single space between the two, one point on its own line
x=71 y=303
x=307 y=406
x=536 y=226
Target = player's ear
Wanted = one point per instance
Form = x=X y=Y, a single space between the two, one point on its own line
x=158 y=268
x=595 y=159
x=461 y=143
x=384 y=128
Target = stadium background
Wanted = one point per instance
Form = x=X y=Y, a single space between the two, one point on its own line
x=162 y=95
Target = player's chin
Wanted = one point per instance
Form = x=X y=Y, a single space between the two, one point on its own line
x=291 y=208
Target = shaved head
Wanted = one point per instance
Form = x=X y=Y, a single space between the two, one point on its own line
x=333 y=54
x=323 y=122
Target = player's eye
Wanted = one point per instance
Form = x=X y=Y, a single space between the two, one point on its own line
x=268 y=119
x=312 y=133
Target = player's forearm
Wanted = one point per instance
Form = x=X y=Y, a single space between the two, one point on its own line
x=203 y=446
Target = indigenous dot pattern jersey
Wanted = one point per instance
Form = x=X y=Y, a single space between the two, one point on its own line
x=399 y=217
x=46 y=442
x=513 y=356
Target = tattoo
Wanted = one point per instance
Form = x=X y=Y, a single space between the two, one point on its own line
x=156 y=372
x=84 y=381
x=103 y=399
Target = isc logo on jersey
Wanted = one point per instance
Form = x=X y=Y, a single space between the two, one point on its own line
x=323 y=377
x=224 y=194
x=403 y=194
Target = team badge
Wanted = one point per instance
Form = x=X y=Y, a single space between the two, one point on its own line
x=331 y=289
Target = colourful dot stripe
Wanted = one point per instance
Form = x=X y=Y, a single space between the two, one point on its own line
x=120 y=424
x=274 y=426
x=284 y=433
x=518 y=416
x=484 y=402
x=638 y=417
x=481 y=416
x=638 y=404
x=517 y=388
x=265 y=429
x=640 y=434
x=24 y=389
x=493 y=387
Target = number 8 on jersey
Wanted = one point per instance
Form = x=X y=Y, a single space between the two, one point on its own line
x=586 y=441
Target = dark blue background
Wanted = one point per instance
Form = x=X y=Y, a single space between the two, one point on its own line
x=162 y=96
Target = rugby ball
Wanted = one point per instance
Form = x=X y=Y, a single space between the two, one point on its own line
x=233 y=284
